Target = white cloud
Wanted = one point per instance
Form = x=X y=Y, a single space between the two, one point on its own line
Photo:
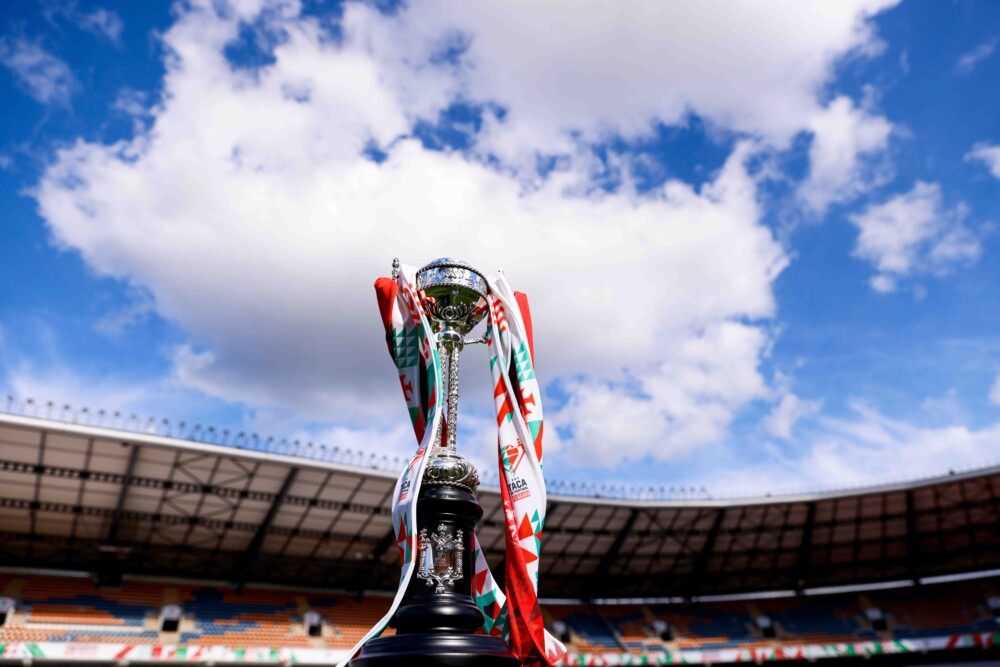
x=43 y=76
x=900 y=449
x=282 y=311
x=103 y=23
x=788 y=410
x=987 y=154
x=866 y=447
x=845 y=157
x=947 y=408
x=913 y=233
x=688 y=399
x=54 y=388
x=618 y=67
x=968 y=61
x=131 y=102
x=883 y=283
x=51 y=389
x=138 y=307
x=248 y=212
x=995 y=392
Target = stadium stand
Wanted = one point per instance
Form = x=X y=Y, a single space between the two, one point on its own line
x=816 y=619
x=931 y=611
x=245 y=546
x=918 y=611
x=590 y=632
x=59 y=608
x=73 y=609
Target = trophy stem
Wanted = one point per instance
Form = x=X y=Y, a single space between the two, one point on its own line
x=453 y=350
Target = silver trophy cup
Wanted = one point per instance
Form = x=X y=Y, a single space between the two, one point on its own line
x=438 y=622
x=454 y=295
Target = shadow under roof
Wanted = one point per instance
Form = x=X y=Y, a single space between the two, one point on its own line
x=93 y=499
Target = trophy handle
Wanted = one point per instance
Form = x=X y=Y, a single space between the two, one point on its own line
x=482 y=340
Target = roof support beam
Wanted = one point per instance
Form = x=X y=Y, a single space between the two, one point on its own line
x=912 y=541
x=611 y=555
x=802 y=573
x=701 y=562
x=967 y=511
x=378 y=553
x=253 y=549
x=116 y=518
x=36 y=498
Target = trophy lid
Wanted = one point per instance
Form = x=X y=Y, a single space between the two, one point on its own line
x=452 y=273
x=448 y=261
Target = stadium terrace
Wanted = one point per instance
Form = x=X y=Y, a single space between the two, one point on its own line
x=127 y=545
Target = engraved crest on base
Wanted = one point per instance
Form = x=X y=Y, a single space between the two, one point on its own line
x=441 y=558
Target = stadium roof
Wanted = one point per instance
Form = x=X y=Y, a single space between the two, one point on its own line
x=105 y=500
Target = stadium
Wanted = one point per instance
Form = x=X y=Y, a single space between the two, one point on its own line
x=760 y=244
x=142 y=541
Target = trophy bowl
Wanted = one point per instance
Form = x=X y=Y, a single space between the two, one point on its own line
x=454 y=295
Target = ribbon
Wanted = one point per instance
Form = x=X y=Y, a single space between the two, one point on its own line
x=513 y=615
x=413 y=347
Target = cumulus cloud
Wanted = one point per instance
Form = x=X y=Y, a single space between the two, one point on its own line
x=913 y=233
x=988 y=154
x=618 y=67
x=688 y=399
x=845 y=157
x=250 y=211
x=41 y=74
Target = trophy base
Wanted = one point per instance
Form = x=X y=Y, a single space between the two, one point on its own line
x=435 y=650
x=441 y=629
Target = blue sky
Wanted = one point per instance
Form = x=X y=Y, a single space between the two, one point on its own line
x=761 y=244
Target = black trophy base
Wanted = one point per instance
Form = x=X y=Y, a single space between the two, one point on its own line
x=434 y=650
x=437 y=623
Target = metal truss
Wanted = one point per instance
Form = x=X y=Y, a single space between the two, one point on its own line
x=226 y=514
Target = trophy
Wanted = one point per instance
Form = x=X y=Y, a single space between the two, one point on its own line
x=437 y=621
x=454 y=297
